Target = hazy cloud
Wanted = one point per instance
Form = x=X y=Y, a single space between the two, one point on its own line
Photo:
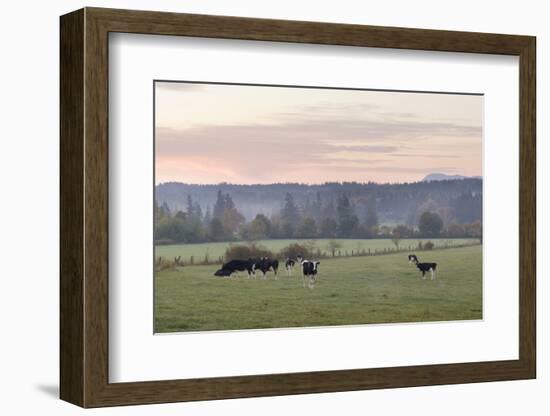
x=248 y=139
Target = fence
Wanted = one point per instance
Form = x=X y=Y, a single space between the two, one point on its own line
x=162 y=263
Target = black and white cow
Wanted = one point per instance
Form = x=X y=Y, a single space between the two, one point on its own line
x=289 y=265
x=266 y=264
x=291 y=262
x=235 y=265
x=309 y=272
x=423 y=267
x=255 y=265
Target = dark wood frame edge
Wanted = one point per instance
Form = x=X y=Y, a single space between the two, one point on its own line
x=84 y=207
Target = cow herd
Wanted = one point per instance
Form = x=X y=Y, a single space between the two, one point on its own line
x=309 y=268
x=264 y=265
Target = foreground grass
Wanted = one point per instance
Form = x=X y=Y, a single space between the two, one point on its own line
x=357 y=290
x=215 y=250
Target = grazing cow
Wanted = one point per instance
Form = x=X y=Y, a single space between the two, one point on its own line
x=309 y=270
x=423 y=267
x=266 y=264
x=235 y=265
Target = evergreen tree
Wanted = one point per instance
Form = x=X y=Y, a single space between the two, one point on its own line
x=371 y=220
x=197 y=211
x=190 y=207
x=290 y=213
x=207 y=216
x=347 y=220
x=219 y=206
x=165 y=209
x=216 y=231
x=227 y=214
x=228 y=202
x=290 y=216
x=315 y=210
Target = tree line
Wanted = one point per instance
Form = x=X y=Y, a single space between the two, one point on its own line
x=315 y=218
x=455 y=201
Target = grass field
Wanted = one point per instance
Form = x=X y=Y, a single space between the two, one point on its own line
x=353 y=290
x=215 y=250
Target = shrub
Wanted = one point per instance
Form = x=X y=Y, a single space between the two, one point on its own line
x=404 y=231
x=294 y=250
x=162 y=263
x=246 y=251
x=428 y=245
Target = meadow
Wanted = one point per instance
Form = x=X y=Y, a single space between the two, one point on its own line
x=349 y=290
x=213 y=251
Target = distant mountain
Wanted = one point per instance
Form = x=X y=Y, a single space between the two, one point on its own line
x=444 y=177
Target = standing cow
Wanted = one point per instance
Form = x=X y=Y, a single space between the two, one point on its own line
x=423 y=267
x=309 y=272
x=266 y=264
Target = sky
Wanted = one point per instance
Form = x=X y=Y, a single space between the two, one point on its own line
x=243 y=134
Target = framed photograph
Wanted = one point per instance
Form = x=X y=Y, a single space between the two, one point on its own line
x=254 y=207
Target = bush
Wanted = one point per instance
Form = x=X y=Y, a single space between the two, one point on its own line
x=428 y=245
x=294 y=250
x=403 y=230
x=430 y=224
x=162 y=263
x=246 y=251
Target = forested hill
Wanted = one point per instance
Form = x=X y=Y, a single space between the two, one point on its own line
x=457 y=201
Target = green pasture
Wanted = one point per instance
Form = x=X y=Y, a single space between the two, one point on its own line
x=215 y=250
x=349 y=290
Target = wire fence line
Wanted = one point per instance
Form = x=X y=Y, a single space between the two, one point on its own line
x=163 y=263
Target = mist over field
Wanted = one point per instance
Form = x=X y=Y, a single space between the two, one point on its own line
x=455 y=201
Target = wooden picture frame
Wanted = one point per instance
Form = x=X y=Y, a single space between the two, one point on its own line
x=84 y=207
